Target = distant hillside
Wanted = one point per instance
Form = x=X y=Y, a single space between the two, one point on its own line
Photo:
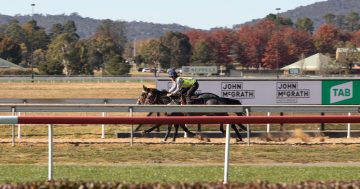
x=143 y=30
x=317 y=10
x=87 y=26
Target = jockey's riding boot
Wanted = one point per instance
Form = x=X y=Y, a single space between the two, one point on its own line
x=183 y=101
x=188 y=100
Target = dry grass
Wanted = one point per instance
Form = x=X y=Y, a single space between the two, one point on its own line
x=72 y=90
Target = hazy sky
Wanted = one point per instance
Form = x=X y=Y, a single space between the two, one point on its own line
x=201 y=14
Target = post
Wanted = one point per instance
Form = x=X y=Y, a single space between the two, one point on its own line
x=31 y=44
x=247 y=128
x=227 y=154
x=19 y=127
x=50 y=158
x=349 y=128
x=132 y=127
x=277 y=49
x=103 y=125
x=268 y=124
x=322 y=125
x=13 y=128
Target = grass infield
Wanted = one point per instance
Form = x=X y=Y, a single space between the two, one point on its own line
x=175 y=173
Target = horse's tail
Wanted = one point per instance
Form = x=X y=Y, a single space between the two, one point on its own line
x=231 y=101
x=207 y=95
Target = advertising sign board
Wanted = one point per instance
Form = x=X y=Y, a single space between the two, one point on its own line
x=260 y=92
x=199 y=70
x=341 y=92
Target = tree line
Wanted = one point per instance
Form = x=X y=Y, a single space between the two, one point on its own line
x=271 y=43
x=62 y=52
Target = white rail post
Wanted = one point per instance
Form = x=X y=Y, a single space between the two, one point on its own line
x=13 y=128
x=132 y=127
x=268 y=124
x=50 y=158
x=247 y=128
x=103 y=125
x=19 y=127
x=349 y=128
x=227 y=154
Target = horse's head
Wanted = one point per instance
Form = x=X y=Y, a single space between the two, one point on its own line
x=152 y=96
x=141 y=99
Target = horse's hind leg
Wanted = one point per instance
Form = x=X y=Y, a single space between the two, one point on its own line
x=187 y=130
x=167 y=132
x=199 y=128
x=158 y=114
x=233 y=126
x=222 y=128
x=175 y=132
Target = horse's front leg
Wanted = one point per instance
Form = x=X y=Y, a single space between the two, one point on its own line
x=157 y=126
x=140 y=125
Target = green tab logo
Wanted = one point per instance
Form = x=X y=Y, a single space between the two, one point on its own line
x=341 y=92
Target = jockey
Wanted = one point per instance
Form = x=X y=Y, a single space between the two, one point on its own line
x=186 y=86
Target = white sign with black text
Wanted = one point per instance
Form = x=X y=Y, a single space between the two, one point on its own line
x=260 y=92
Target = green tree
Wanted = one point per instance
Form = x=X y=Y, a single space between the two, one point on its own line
x=51 y=67
x=117 y=66
x=114 y=31
x=202 y=54
x=16 y=32
x=155 y=53
x=62 y=50
x=330 y=18
x=341 y=22
x=70 y=28
x=56 y=29
x=10 y=51
x=38 y=39
x=352 y=21
x=175 y=46
x=108 y=41
x=305 y=24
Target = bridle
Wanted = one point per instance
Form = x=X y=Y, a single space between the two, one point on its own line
x=152 y=97
x=142 y=98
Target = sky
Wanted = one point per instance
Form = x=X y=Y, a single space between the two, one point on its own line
x=199 y=14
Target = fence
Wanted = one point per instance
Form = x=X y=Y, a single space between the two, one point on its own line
x=170 y=120
x=115 y=105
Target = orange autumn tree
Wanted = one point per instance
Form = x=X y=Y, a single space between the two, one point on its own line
x=253 y=40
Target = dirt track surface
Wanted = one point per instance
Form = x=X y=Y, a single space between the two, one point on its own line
x=262 y=141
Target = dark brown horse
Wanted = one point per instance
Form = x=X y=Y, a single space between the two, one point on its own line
x=155 y=96
x=141 y=101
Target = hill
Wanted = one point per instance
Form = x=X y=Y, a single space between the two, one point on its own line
x=87 y=26
x=317 y=10
x=143 y=30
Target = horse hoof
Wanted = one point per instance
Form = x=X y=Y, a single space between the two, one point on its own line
x=239 y=140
